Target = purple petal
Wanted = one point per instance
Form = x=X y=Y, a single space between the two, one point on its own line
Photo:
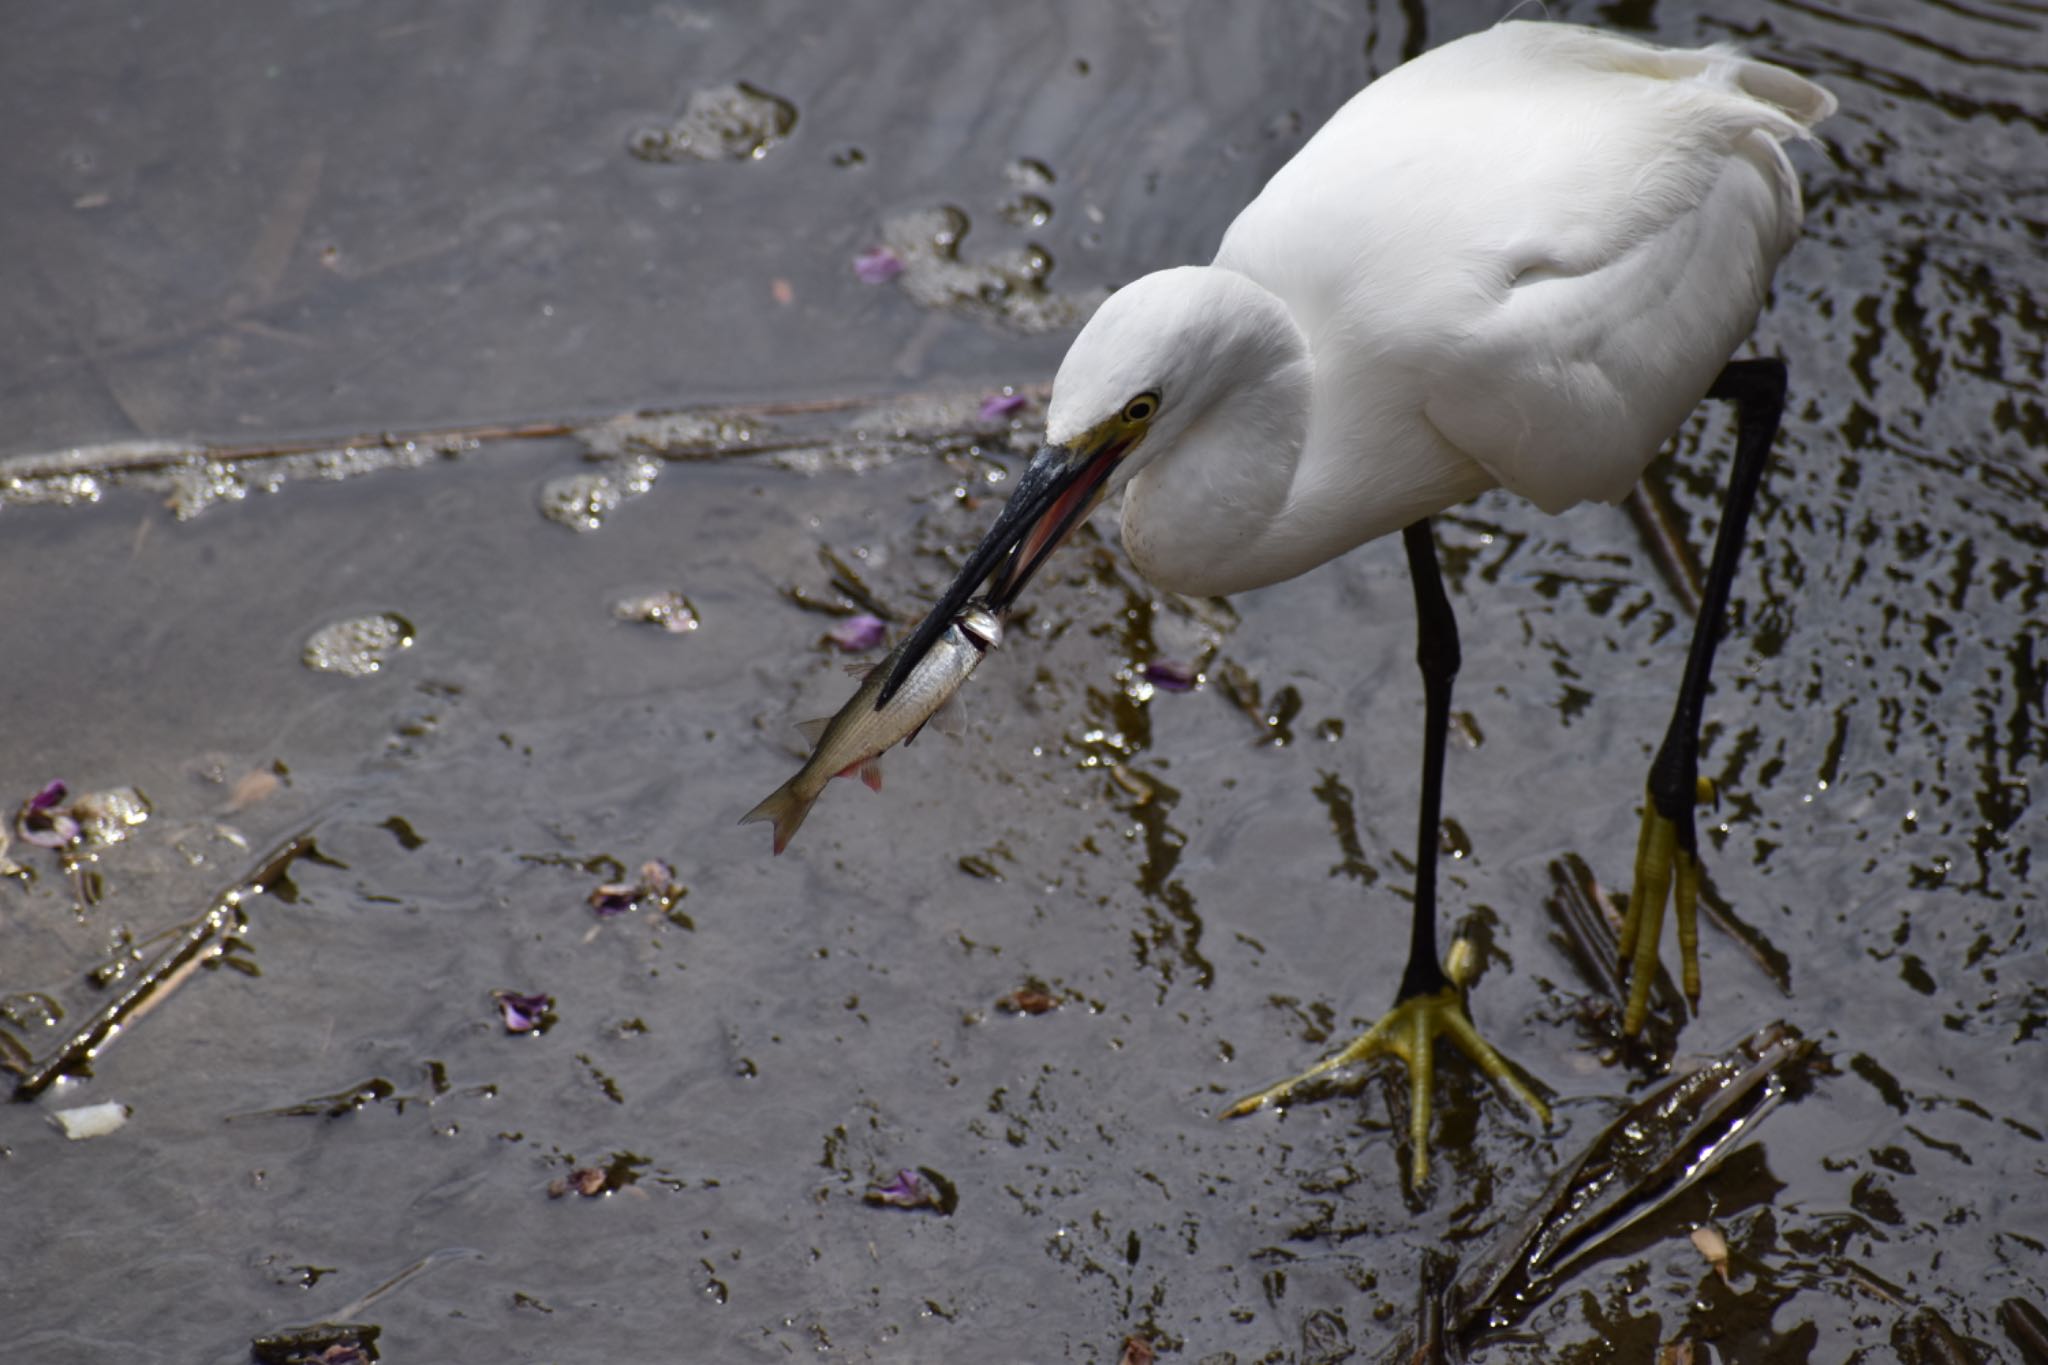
x=1000 y=405
x=47 y=797
x=877 y=265
x=857 y=633
x=922 y=1188
x=1169 y=675
x=906 y=1191
x=47 y=831
x=523 y=1013
x=613 y=898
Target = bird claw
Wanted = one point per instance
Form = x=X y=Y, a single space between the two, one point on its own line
x=1667 y=867
x=1406 y=1033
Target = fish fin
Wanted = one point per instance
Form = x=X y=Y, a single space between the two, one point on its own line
x=951 y=717
x=813 y=730
x=871 y=773
x=787 y=808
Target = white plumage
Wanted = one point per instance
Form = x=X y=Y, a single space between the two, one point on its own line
x=1518 y=260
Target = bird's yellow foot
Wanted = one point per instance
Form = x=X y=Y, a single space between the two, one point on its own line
x=1667 y=865
x=1406 y=1032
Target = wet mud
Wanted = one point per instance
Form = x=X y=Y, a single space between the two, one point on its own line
x=543 y=1057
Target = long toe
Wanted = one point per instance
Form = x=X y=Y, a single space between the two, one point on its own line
x=1408 y=1032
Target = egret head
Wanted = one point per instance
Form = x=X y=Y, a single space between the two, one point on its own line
x=1156 y=356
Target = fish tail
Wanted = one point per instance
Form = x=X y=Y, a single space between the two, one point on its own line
x=787 y=807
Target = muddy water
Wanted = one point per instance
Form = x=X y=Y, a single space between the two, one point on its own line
x=310 y=220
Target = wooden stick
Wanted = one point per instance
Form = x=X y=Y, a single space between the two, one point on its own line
x=166 y=971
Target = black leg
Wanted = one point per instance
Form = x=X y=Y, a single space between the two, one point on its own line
x=1436 y=651
x=1670 y=846
x=1431 y=1001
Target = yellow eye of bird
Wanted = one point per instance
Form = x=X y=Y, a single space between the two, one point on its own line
x=1141 y=408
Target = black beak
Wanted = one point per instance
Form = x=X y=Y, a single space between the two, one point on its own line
x=1057 y=485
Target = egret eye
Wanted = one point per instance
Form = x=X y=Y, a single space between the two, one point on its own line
x=1141 y=408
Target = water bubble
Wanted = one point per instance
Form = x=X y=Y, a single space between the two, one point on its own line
x=1008 y=286
x=582 y=501
x=1026 y=211
x=1028 y=173
x=737 y=122
x=668 y=609
x=358 y=647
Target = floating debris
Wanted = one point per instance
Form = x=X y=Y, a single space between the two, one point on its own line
x=1713 y=1244
x=1030 y=998
x=322 y=1343
x=1170 y=675
x=922 y=1188
x=1008 y=287
x=90 y=1120
x=858 y=632
x=588 y=1181
x=1136 y=1351
x=582 y=501
x=339 y=1104
x=670 y=610
x=1026 y=211
x=1028 y=172
x=173 y=964
x=737 y=122
x=809 y=435
x=525 y=1013
x=107 y=817
x=2027 y=1328
x=359 y=647
x=690 y=434
x=656 y=883
x=43 y=822
x=1650 y=1154
x=258 y=784
x=877 y=265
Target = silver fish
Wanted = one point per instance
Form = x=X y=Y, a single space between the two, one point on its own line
x=851 y=743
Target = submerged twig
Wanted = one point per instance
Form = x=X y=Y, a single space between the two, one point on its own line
x=1639 y=1163
x=1587 y=930
x=642 y=427
x=166 y=971
x=1649 y=507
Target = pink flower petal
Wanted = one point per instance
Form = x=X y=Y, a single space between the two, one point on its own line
x=1000 y=405
x=877 y=265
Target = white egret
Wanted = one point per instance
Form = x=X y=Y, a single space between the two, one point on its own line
x=1519 y=260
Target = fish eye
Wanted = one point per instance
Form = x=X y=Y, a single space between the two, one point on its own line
x=1141 y=408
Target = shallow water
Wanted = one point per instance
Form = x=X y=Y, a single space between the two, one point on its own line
x=311 y=219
